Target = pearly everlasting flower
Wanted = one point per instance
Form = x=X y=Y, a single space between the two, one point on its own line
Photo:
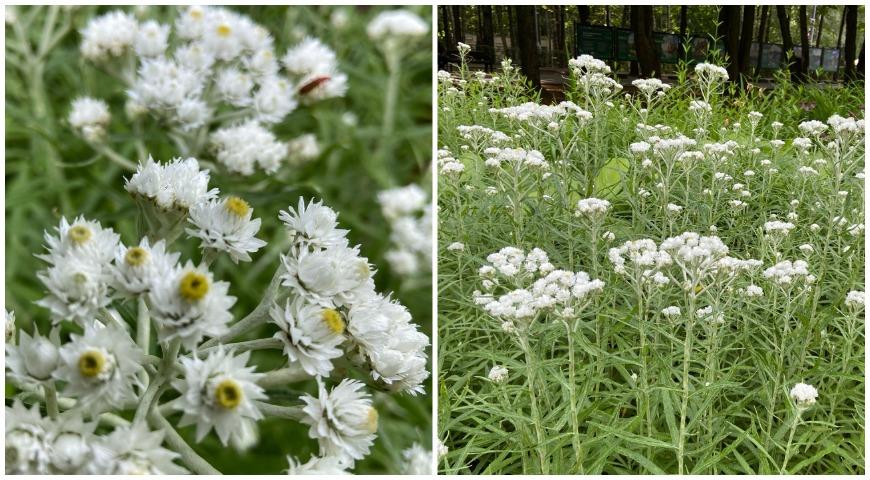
x=854 y=299
x=697 y=255
x=390 y=343
x=394 y=29
x=189 y=305
x=9 y=328
x=456 y=247
x=78 y=288
x=234 y=86
x=134 y=450
x=34 y=358
x=777 y=227
x=313 y=226
x=177 y=185
x=72 y=444
x=416 y=460
x=337 y=275
x=152 y=39
x=786 y=272
x=804 y=395
x=301 y=149
x=672 y=311
x=343 y=421
x=226 y=226
x=753 y=291
x=138 y=268
x=273 y=101
x=26 y=435
x=314 y=68
x=317 y=466
x=710 y=72
x=311 y=334
x=220 y=392
x=498 y=374
x=639 y=254
x=89 y=117
x=592 y=208
x=109 y=35
x=101 y=367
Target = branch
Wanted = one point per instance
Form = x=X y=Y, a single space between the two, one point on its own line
x=190 y=458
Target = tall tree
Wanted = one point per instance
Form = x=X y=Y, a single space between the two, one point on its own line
x=762 y=35
x=860 y=65
x=559 y=35
x=729 y=32
x=528 y=44
x=787 y=43
x=457 y=23
x=821 y=26
x=500 y=28
x=647 y=55
x=449 y=38
x=583 y=14
x=626 y=13
x=745 y=40
x=851 y=36
x=684 y=26
x=512 y=27
x=805 y=42
x=486 y=39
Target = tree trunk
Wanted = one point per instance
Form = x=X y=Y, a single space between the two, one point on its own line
x=607 y=15
x=820 y=28
x=647 y=56
x=762 y=35
x=851 y=37
x=457 y=23
x=684 y=25
x=561 y=46
x=449 y=38
x=486 y=39
x=729 y=31
x=787 y=43
x=512 y=24
x=746 y=40
x=805 y=42
x=528 y=45
x=860 y=66
x=500 y=28
x=583 y=13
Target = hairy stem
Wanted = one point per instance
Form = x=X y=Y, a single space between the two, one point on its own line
x=190 y=458
x=684 y=404
x=572 y=391
x=260 y=314
x=536 y=415
x=50 y=398
x=167 y=366
x=794 y=425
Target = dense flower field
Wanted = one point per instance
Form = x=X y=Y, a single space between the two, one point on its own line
x=662 y=278
x=217 y=240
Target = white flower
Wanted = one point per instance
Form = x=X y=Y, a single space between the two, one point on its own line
x=34 y=359
x=226 y=226
x=179 y=184
x=394 y=28
x=593 y=208
x=219 y=392
x=101 y=367
x=672 y=311
x=301 y=149
x=134 y=450
x=674 y=208
x=274 y=100
x=234 y=86
x=311 y=334
x=314 y=68
x=753 y=291
x=314 y=225
x=189 y=305
x=317 y=466
x=336 y=275
x=138 y=268
x=456 y=247
x=786 y=271
x=90 y=117
x=399 y=202
x=390 y=342
x=498 y=374
x=806 y=248
x=710 y=72
x=151 y=39
x=804 y=395
x=242 y=147
x=417 y=461
x=111 y=34
x=72 y=443
x=83 y=239
x=778 y=227
x=26 y=436
x=343 y=421
x=441 y=448
x=78 y=288
x=854 y=299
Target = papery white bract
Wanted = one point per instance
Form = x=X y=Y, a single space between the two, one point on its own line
x=134 y=450
x=226 y=226
x=343 y=421
x=311 y=334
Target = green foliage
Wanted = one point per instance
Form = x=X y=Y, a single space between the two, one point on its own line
x=628 y=394
x=50 y=173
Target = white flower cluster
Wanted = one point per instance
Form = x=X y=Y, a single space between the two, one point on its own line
x=786 y=272
x=711 y=72
x=67 y=445
x=324 y=272
x=479 y=135
x=855 y=299
x=592 y=208
x=448 y=165
x=409 y=212
x=540 y=287
x=641 y=256
x=516 y=157
x=593 y=76
x=804 y=395
x=220 y=59
x=537 y=113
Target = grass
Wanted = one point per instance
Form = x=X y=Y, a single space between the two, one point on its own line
x=52 y=173
x=651 y=395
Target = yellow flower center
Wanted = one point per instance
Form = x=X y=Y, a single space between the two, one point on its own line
x=237 y=206
x=136 y=256
x=195 y=13
x=194 y=286
x=333 y=320
x=224 y=30
x=229 y=394
x=698 y=288
x=91 y=363
x=372 y=420
x=79 y=234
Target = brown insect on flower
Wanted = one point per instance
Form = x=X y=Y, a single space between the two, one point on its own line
x=309 y=86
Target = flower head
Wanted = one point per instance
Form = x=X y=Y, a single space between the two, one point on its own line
x=226 y=226
x=343 y=421
x=311 y=334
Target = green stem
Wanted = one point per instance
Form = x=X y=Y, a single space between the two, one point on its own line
x=572 y=387
x=269 y=410
x=50 y=398
x=143 y=326
x=167 y=366
x=684 y=404
x=536 y=415
x=794 y=425
x=190 y=458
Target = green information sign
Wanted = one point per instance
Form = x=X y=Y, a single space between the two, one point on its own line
x=830 y=59
x=625 y=51
x=700 y=48
x=596 y=41
x=669 y=47
x=771 y=56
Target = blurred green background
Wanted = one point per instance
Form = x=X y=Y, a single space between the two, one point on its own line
x=52 y=173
